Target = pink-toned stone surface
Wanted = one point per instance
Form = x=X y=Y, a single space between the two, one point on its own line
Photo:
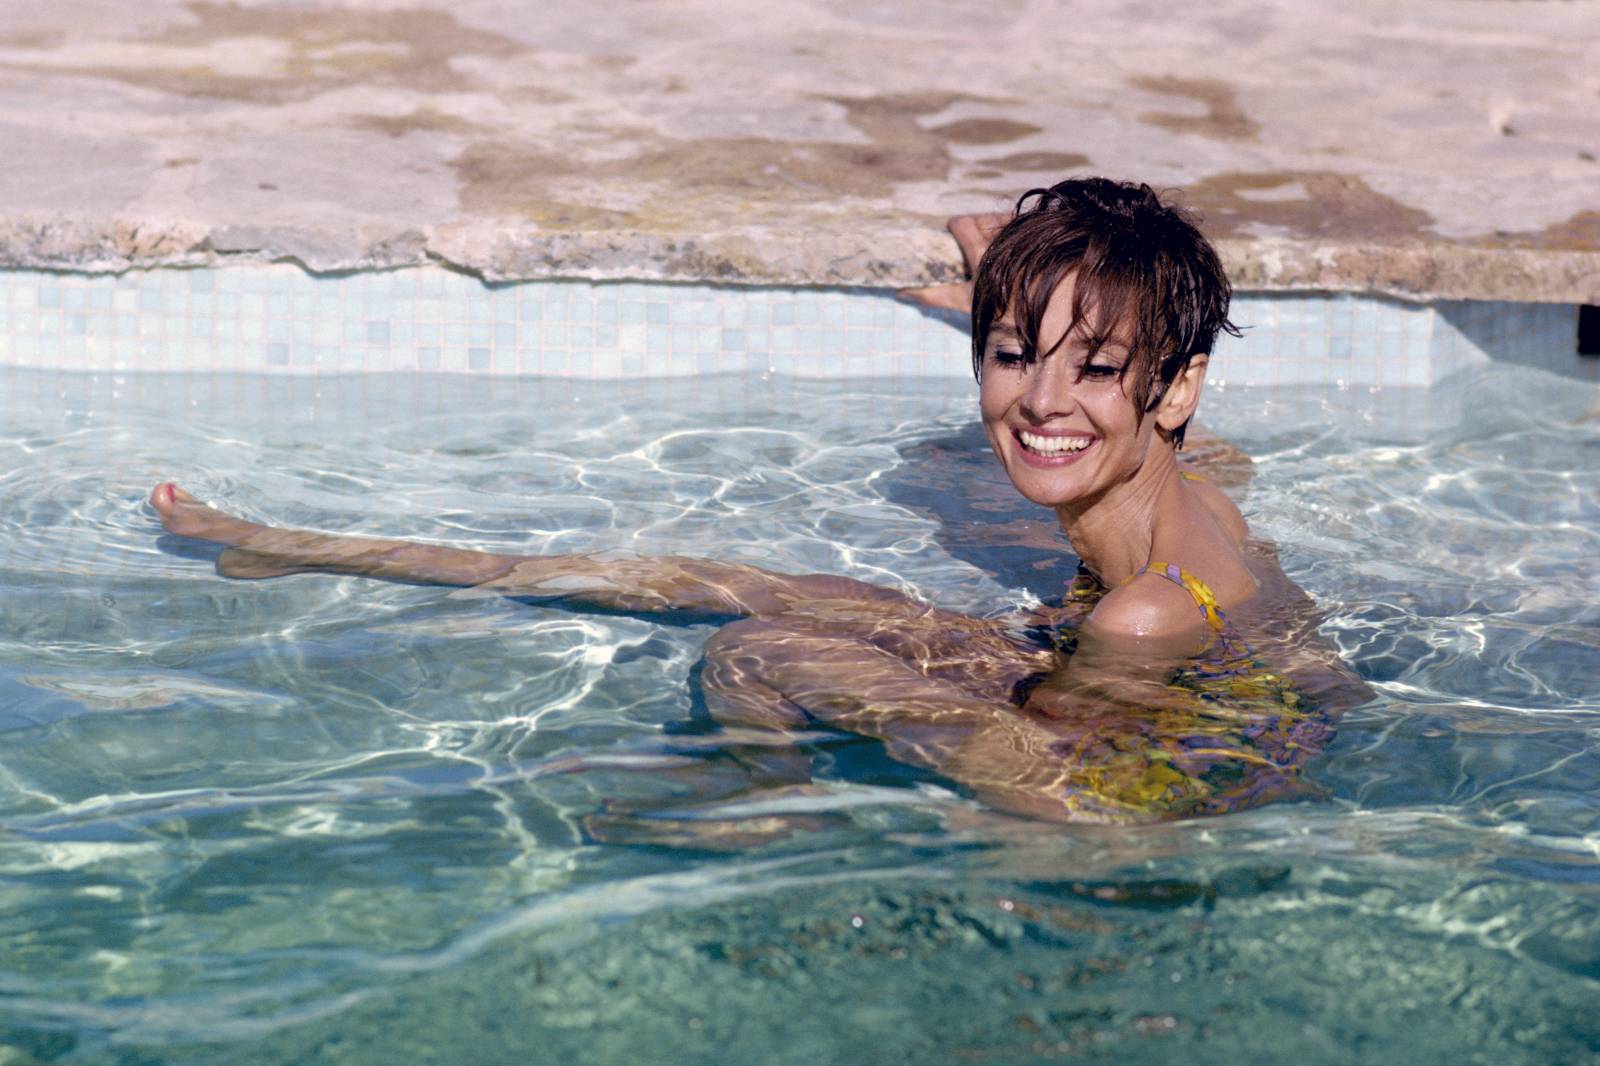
x=1413 y=147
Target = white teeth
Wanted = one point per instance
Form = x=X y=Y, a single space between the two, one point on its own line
x=1052 y=445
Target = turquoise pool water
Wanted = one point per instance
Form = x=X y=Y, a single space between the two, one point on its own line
x=326 y=820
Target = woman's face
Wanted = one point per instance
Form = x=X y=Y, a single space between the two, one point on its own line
x=1061 y=424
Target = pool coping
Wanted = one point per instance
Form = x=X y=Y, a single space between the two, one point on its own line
x=902 y=256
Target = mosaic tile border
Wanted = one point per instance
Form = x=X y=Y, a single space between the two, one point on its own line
x=278 y=319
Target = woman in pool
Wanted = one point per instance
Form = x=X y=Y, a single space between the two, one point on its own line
x=1142 y=695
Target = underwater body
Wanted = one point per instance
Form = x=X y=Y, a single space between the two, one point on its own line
x=334 y=818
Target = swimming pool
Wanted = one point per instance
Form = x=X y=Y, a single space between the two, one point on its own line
x=321 y=819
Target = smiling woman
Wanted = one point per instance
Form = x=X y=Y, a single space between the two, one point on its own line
x=1094 y=314
x=1178 y=676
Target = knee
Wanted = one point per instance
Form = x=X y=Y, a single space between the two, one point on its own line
x=746 y=638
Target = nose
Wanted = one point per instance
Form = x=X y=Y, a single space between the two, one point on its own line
x=1051 y=391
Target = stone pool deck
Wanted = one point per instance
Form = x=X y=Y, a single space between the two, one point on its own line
x=1416 y=148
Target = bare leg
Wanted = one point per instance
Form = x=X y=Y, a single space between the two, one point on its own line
x=1221 y=461
x=641 y=584
x=256 y=551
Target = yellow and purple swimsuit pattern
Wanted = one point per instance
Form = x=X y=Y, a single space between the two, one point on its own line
x=1233 y=733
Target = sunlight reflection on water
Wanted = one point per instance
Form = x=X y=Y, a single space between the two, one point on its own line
x=312 y=812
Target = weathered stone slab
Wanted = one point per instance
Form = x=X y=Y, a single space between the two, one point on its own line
x=1420 y=148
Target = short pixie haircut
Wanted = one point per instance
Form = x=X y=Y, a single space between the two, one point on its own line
x=1140 y=265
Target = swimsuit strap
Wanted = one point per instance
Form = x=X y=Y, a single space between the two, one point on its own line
x=1190 y=475
x=1199 y=590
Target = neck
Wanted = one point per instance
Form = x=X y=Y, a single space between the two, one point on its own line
x=1114 y=533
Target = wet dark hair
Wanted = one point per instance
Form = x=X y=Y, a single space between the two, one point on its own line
x=1140 y=264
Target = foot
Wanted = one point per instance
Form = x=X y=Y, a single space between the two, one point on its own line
x=186 y=516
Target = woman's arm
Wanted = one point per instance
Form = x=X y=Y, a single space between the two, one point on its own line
x=609 y=582
x=974 y=234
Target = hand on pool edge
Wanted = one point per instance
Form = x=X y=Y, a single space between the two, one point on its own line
x=974 y=234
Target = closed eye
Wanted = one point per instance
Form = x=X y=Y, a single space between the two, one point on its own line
x=1011 y=357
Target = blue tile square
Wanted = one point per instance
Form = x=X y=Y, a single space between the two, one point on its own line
x=377 y=333
x=477 y=359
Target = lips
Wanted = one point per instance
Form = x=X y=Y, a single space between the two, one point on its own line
x=1051 y=449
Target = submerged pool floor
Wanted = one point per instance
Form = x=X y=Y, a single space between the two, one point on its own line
x=322 y=819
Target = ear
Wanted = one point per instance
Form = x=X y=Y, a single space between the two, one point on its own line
x=1177 y=404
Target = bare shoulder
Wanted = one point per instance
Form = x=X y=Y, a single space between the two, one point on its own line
x=1223 y=511
x=1148 y=609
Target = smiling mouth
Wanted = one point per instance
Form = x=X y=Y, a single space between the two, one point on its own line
x=1044 y=447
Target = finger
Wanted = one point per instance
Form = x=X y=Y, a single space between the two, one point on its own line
x=956 y=296
x=974 y=233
